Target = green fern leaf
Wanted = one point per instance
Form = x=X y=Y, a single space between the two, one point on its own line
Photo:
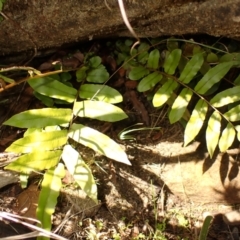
x=138 y=73
x=227 y=138
x=237 y=80
x=195 y=122
x=238 y=132
x=164 y=93
x=94 y=62
x=100 y=92
x=192 y=68
x=226 y=97
x=98 y=75
x=213 y=76
x=39 y=140
x=52 y=88
x=39 y=118
x=233 y=114
x=171 y=61
x=47 y=201
x=180 y=104
x=80 y=171
x=213 y=132
x=99 y=110
x=143 y=54
x=153 y=59
x=99 y=142
x=35 y=161
x=149 y=81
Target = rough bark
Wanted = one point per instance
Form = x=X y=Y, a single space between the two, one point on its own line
x=42 y=24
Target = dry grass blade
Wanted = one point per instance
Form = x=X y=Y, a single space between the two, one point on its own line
x=18 y=219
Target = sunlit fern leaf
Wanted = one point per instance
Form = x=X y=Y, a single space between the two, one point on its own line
x=149 y=81
x=213 y=76
x=227 y=138
x=180 y=104
x=213 y=132
x=80 y=171
x=35 y=161
x=191 y=68
x=38 y=118
x=99 y=142
x=164 y=93
x=39 y=140
x=50 y=189
x=195 y=122
x=171 y=61
x=233 y=114
x=226 y=97
x=102 y=111
x=153 y=59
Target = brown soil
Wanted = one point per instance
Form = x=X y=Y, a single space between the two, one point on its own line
x=135 y=200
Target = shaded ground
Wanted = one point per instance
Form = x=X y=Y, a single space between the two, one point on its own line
x=134 y=201
x=165 y=194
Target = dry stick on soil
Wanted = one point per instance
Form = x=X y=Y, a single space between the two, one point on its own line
x=19 y=219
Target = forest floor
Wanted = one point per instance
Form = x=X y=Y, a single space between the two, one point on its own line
x=152 y=199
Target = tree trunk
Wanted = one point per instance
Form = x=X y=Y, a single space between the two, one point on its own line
x=38 y=24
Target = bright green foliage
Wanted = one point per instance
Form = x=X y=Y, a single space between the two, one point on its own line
x=39 y=140
x=95 y=62
x=195 y=122
x=98 y=75
x=45 y=142
x=39 y=118
x=180 y=104
x=227 y=138
x=51 y=186
x=153 y=59
x=212 y=58
x=164 y=93
x=213 y=76
x=192 y=68
x=99 y=110
x=213 y=132
x=52 y=88
x=98 y=142
x=169 y=74
x=171 y=61
x=93 y=71
x=185 y=74
x=37 y=160
x=238 y=132
x=100 y=93
x=149 y=81
x=138 y=72
x=226 y=97
x=80 y=171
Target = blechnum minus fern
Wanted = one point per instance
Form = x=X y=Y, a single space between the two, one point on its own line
x=170 y=73
x=175 y=75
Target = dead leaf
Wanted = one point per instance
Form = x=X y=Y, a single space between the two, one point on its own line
x=131 y=84
x=27 y=202
x=138 y=106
